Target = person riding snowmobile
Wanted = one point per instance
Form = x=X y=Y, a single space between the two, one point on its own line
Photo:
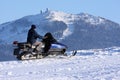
x=33 y=35
x=48 y=40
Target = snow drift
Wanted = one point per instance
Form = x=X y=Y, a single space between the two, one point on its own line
x=93 y=64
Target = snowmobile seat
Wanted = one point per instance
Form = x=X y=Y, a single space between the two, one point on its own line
x=24 y=45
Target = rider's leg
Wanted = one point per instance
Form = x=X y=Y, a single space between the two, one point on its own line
x=46 y=48
x=36 y=44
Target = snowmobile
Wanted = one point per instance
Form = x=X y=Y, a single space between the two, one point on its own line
x=24 y=50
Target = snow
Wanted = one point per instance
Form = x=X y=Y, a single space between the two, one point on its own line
x=94 y=64
x=68 y=31
x=94 y=20
x=61 y=16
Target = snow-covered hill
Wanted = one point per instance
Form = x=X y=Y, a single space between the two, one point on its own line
x=84 y=30
x=93 y=64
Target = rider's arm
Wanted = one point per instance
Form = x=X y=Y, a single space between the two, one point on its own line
x=38 y=36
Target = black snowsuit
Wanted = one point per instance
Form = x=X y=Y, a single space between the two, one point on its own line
x=48 y=40
x=32 y=36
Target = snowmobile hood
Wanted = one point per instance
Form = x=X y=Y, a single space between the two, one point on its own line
x=58 y=45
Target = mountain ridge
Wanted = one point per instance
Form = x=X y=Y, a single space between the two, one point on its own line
x=81 y=29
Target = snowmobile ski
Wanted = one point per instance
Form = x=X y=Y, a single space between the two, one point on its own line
x=74 y=52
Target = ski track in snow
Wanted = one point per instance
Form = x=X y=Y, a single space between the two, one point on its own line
x=101 y=65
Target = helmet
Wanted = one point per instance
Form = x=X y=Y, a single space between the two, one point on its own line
x=33 y=26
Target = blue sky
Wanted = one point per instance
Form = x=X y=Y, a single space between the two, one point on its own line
x=15 y=9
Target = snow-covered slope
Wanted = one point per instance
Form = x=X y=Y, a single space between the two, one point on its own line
x=94 y=64
x=84 y=30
